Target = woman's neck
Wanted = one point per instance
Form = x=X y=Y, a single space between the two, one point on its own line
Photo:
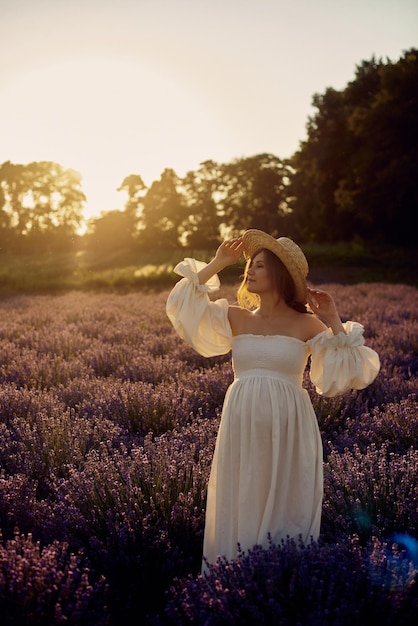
x=271 y=306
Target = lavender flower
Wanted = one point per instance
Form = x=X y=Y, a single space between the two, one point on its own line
x=107 y=428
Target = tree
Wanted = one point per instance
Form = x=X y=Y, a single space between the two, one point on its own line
x=43 y=202
x=380 y=189
x=254 y=194
x=355 y=173
x=163 y=213
x=318 y=167
x=201 y=190
x=109 y=232
x=134 y=186
x=7 y=233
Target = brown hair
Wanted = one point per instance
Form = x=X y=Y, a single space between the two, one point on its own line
x=281 y=279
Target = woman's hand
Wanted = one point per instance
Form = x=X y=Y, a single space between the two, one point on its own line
x=322 y=304
x=230 y=251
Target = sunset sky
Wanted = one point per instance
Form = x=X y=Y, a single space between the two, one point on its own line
x=112 y=88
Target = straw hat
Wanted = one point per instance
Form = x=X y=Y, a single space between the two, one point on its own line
x=288 y=252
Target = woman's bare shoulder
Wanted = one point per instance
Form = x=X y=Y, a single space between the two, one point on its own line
x=236 y=314
x=312 y=325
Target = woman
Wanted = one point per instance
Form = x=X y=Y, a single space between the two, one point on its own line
x=266 y=477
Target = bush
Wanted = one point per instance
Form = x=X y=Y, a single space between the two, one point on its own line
x=317 y=584
x=47 y=586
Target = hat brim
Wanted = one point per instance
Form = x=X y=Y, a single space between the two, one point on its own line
x=255 y=240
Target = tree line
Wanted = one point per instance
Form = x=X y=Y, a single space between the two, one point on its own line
x=354 y=177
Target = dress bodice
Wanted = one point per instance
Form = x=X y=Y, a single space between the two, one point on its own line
x=269 y=355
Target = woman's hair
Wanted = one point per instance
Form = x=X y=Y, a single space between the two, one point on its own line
x=281 y=279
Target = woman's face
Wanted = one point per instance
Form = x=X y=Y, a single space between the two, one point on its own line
x=258 y=278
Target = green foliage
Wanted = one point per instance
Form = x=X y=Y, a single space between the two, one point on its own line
x=130 y=269
x=163 y=211
x=356 y=172
x=255 y=194
x=111 y=231
x=201 y=188
x=40 y=206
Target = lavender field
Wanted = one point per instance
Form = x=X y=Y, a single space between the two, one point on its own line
x=107 y=428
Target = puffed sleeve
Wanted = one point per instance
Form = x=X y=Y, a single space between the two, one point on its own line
x=201 y=322
x=342 y=362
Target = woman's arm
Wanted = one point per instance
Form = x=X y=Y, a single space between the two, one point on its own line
x=228 y=253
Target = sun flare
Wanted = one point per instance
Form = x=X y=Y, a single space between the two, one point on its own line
x=108 y=118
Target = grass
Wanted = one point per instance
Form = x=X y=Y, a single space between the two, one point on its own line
x=129 y=270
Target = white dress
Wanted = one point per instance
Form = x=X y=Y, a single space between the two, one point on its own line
x=266 y=477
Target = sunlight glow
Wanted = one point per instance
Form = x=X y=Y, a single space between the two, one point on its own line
x=108 y=118
x=111 y=89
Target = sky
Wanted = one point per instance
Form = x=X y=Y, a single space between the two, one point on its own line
x=118 y=87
